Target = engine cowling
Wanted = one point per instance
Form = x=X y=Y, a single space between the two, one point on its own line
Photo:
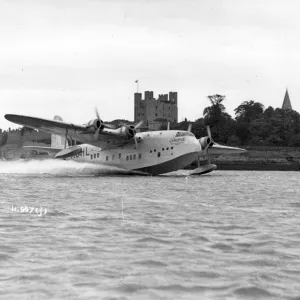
x=128 y=131
x=93 y=125
x=205 y=141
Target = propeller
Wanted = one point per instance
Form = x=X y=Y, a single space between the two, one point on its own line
x=207 y=142
x=100 y=127
x=110 y=126
x=211 y=141
x=138 y=125
x=97 y=114
x=208 y=131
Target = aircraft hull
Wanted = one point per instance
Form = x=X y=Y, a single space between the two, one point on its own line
x=171 y=165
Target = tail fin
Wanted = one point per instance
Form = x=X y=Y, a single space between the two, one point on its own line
x=56 y=140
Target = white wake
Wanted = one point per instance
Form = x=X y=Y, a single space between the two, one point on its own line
x=56 y=167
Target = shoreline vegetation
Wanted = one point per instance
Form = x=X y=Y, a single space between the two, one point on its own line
x=258 y=158
x=270 y=136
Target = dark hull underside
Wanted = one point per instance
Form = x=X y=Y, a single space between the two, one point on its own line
x=172 y=165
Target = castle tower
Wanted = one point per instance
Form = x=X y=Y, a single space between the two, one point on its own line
x=286 y=102
x=156 y=110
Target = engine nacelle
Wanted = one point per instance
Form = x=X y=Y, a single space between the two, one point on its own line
x=128 y=131
x=93 y=125
x=205 y=141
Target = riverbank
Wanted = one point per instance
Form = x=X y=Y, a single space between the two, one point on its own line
x=259 y=158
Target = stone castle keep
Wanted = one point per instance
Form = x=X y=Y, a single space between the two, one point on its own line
x=150 y=110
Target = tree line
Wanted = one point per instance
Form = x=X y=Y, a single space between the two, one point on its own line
x=253 y=124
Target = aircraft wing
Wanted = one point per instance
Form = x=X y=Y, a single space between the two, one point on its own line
x=220 y=149
x=42 y=149
x=106 y=139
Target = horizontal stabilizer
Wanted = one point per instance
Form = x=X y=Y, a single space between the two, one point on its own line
x=72 y=151
x=43 y=149
x=220 y=149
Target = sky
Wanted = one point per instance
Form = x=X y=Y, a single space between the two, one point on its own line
x=65 y=58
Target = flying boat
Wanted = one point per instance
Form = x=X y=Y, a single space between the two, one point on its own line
x=150 y=152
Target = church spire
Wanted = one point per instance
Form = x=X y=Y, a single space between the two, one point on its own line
x=286 y=102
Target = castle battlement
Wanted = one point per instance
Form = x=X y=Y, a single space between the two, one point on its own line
x=150 y=109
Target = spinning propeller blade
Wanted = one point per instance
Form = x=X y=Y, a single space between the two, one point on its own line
x=208 y=131
x=97 y=114
x=98 y=117
x=139 y=124
x=111 y=126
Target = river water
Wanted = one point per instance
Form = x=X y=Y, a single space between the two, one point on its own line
x=87 y=232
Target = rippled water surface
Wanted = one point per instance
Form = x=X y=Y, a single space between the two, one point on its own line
x=105 y=234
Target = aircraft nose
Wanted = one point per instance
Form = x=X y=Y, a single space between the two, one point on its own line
x=195 y=144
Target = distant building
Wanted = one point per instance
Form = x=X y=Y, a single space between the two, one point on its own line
x=286 y=102
x=151 y=110
x=12 y=142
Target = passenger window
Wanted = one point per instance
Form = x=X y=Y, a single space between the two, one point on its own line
x=167 y=148
x=163 y=149
x=91 y=156
x=140 y=155
x=130 y=157
x=171 y=147
x=158 y=154
x=119 y=155
x=106 y=158
x=113 y=157
x=98 y=155
x=154 y=150
x=127 y=157
x=150 y=151
x=95 y=155
x=134 y=156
